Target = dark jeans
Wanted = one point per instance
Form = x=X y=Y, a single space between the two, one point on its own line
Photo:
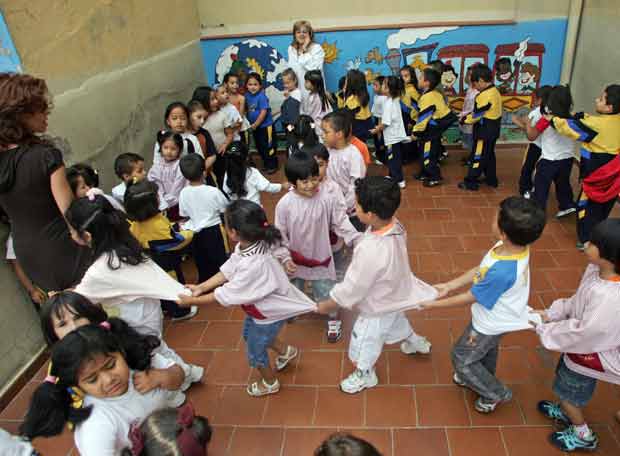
x=474 y=357
x=395 y=161
x=590 y=214
x=558 y=172
x=264 y=140
x=483 y=161
x=532 y=154
x=210 y=251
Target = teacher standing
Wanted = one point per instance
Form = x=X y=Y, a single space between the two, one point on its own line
x=304 y=54
x=34 y=191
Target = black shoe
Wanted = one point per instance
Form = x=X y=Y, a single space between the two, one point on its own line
x=420 y=177
x=432 y=183
x=465 y=186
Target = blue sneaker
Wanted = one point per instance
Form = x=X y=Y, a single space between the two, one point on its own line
x=552 y=410
x=568 y=440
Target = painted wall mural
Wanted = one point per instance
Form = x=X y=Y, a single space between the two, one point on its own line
x=523 y=56
x=9 y=60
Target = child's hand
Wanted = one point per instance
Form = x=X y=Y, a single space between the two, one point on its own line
x=325 y=307
x=413 y=137
x=425 y=305
x=543 y=315
x=143 y=382
x=221 y=149
x=442 y=289
x=285 y=93
x=185 y=300
x=373 y=131
x=195 y=289
x=290 y=267
x=38 y=296
x=286 y=185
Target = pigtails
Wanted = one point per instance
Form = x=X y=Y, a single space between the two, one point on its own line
x=136 y=347
x=271 y=235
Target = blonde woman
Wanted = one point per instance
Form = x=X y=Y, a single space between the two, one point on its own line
x=304 y=54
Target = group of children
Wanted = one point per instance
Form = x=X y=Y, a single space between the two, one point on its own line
x=115 y=380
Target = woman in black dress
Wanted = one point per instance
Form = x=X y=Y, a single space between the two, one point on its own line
x=34 y=191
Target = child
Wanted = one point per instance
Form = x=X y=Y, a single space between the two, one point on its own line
x=222 y=131
x=393 y=129
x=242 y=180
x=487 y=119
x=127 y=167
x=232 y=82
x=197 y=117
x=233 y=117
x=434 y=118
x=95 y=387
x=176 y=118
x=346 y=164
x=378 y=101
x=379 y=283
x=203 y=204
x=67 y=311
x=557 y=154
x=498 y=299
x=356 y=100
x=409 y=109
x=253 y=279
x=305 y=216
x=289 y=111
x=345 y=445
x=82 y=178
x=532 y=154
x=122 y=278
x=261 y=122
x=316 y=103
x=467 y=131
x=159 y=237
x=304 y=133
x=600 y=164
x=166 y=173
x=584 y=328
x=171 y=431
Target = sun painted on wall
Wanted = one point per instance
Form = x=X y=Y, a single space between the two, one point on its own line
x=517 y=54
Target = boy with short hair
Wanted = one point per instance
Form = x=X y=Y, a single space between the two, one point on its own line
x=599 y=162
x=498 y=299
x=305 y=217
x=379 y=284
x=487 y=120
x=289 y=111
x=127 y=167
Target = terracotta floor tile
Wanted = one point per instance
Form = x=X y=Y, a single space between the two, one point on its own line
x=319 y=368
x=256 y=442
x=222 y=334
x=228 y=368
x=569 y=258
x=213 y=312
x=432 y=262
x=542 y=363
x=474 y=442
x=11 y=427
x=436 y=331
x=220 y=440
x=292 y=406
x=419 y=202
x=431 y=442
x=512 y=366
x=528 y=395
x=301 y=442
x=336 y=408
x=441 y=406
x=480 y=226
x=608 y=445
x=564 y=279
x=543 y=259
x=206 y=399
x=446 y=244
x=547 y=297
x=304 y=334
x=442 y=364
x=459 y=228
x=530 y=441
x=390 y=406
x=464 y=261
x=436 y=215
x=410 y=369
x=237 y=407
x=198 y=357
x=184 y=334
x=17 y=408
x=604 y=404
x=381 y=439
x=479 y=243
x=467 y=213
x=523 y=339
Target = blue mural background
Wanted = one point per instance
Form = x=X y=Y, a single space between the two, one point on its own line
x=9 y=60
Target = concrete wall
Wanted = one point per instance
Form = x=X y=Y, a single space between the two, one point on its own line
x=112 y=67
x=597 y=59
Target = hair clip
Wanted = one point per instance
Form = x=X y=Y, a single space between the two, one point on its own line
x=51 y=379
x=105 y=325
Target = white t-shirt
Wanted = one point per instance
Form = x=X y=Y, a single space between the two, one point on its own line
x=534 y=116
x=392 y=119
x=203 y=205
x=555 y=146
x=502 y=290
x=216 y=125
x=118 y=192
x=106 y=431
x=233 y=118
x=377 y=105
x=255 y=183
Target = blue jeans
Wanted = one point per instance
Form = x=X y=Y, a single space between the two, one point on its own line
x=258 y=339
x=571 y=386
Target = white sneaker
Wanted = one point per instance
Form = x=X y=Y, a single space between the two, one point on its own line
x=565 y=212
x=416 y=344
x=359 y=381
x=196 y=373
x=527 y=195
x=402 y=184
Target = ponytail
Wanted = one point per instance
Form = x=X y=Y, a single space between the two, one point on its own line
x=236 y=168
x=250 y=221
x=137 y=347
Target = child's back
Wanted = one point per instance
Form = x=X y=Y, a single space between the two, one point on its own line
x=255 y=183
x=203 y=204
x=345 y=166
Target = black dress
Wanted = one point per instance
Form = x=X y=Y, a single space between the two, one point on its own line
x=42 y=241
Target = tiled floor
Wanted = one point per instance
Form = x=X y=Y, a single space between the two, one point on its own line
x=416 y=410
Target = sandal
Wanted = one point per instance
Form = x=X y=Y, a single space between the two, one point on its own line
x=283 y=360
x=255 y=390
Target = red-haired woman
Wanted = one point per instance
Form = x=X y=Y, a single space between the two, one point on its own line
x=34 y=191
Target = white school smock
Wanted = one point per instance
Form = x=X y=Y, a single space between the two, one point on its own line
x=255 y=183
x=106 y=431
x=379 y=279
x=344 y=167
x=257 y=282
x=305 y=224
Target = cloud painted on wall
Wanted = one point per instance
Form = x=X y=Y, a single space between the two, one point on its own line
x=410 y=36
x=225 y=61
